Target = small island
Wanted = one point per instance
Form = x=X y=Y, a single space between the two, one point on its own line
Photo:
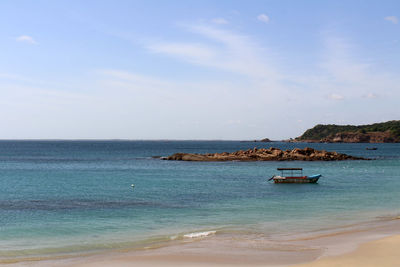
x=263 y=154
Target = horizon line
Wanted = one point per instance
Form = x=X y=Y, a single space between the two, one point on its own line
x=126 y=139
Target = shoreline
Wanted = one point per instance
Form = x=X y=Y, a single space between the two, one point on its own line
x=322 y=248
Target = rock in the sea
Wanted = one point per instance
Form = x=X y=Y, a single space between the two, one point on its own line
x=263 y=154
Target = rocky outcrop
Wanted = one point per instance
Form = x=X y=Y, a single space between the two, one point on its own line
x=263 y=154
x=355 y=137
x=370 y=137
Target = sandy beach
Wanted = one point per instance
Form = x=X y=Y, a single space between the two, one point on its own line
x=372 y=244
x=382 y=252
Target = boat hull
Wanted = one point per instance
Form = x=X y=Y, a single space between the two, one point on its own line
x=297 y=180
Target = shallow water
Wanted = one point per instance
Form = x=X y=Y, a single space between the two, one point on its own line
x=71 y=196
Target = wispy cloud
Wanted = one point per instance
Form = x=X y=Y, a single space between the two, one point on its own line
x=346 y=70
x=263 y=18
x=129 y=80
x=392 y=19
x=371 y=95
x=344 y=81
x=9 y=76
x=336 y=97
x=26 y=39
x=182 y=104
x=233 y=122
x=192 y=52
x=223 y=49
x=341 y=74
x=340 y=61
x=219 y=21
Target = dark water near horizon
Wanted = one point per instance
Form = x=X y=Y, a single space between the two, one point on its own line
x=74 y=196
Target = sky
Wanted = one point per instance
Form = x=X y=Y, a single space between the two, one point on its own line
x=230 y=70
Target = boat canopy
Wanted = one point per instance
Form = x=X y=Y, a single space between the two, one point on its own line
x=298 y=171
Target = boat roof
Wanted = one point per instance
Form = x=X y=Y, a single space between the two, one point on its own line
x=289 y=169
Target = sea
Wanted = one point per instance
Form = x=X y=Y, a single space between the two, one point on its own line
x=73 y=197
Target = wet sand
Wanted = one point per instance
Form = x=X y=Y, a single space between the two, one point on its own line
x=369 y=244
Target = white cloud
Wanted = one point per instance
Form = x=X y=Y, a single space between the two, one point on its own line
x=341 y=63
x=184 y=113
x=128 y=80
x=371 y=95
x=336 y=97
x=392 y=19
x=26 y=39
x=9 y=76
x=219 y=21
x=263 y=18
x=349 y=83
x=341 y=73
x=233 y=122
x=225 y=50
x=192 y=52
x=346 y=71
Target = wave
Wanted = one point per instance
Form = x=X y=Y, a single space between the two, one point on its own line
x=200 y=234
x=49 y=250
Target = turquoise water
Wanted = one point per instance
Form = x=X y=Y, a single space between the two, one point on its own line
x=61 y=197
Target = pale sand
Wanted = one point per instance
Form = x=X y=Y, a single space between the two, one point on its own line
x=347 y=247
x=383 y=253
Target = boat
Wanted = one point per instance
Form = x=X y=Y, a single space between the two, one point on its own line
x=371 y=148
x=294 y=176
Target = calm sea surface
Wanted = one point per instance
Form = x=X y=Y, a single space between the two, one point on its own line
x=61 y=197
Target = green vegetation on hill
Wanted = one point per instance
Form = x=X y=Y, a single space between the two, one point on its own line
x=320 y=131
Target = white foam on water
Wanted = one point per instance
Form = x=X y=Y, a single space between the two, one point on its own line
x=200 y=234
x=173 y=237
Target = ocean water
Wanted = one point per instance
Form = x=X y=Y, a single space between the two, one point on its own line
x=66 y=197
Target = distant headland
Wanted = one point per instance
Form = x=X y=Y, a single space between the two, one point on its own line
x=383 y=132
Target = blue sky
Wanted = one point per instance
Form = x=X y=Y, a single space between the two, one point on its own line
x=195 y=69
